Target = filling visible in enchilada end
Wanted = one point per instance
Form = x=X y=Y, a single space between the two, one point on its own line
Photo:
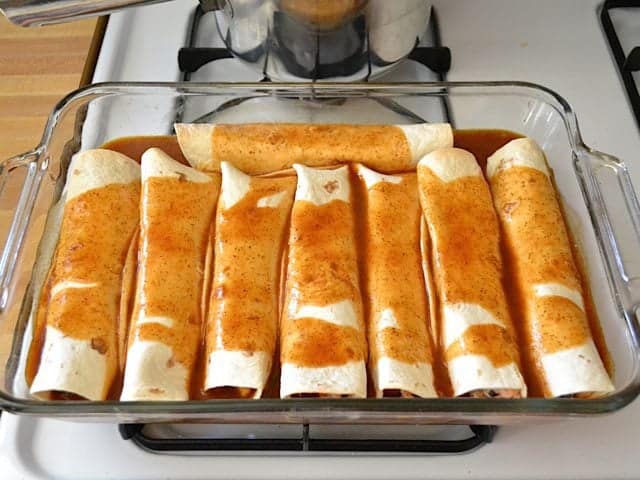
x=476 y=337
x=75 y=343
x=400 y=350
x=268 y=147
x=243 y=314
x=166 y=324
x=555 y=327
x=323 y=346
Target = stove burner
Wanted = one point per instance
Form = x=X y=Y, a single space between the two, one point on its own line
x=435 y=60
x=191 y=57
x=481 y=434
x=629 y=64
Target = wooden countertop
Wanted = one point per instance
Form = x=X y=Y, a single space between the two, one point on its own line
x=38 y=66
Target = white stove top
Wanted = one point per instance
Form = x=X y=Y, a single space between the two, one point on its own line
x=557 y=43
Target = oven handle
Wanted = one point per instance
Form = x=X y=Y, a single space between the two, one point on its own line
x=615 y=215
x=11 y=179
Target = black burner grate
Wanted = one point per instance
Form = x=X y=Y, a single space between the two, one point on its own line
x=436 y=58
x=479 y=435
x=191 y=58
x=627 y=64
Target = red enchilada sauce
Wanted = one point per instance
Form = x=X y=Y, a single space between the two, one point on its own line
x=395 y=277
x=470 y=265
x=249 y=241
x=90 y=250
x=482 y=143
x=249 y=268
x=134 y=147
x=311 y=145
x=324 y=272
x=175 y=254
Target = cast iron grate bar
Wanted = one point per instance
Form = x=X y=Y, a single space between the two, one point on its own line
x=626 y=64
x=632 y=63
x=191 y=59
x=437 y=59
x=480 y=435
x=434 y=29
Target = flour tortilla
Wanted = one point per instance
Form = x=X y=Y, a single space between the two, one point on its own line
x=68 y=364
x=151 y=372
x=470 y=374
x=576 y=370
x=389 y=324
x=348 y=379
x=242 y=372
x=307 y=145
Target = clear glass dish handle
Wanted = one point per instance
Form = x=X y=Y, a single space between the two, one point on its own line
x=615 y=215
x=24 y=169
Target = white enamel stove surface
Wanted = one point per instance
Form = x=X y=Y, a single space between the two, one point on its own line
x=557 y=43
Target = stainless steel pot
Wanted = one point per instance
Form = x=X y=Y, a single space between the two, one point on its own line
x=286 y=39
x=322 y=39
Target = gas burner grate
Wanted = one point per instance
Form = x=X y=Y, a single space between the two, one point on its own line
x=198 y=63
x=437 y=59
x=480 y=435
x=628 y=64
x=190 y=58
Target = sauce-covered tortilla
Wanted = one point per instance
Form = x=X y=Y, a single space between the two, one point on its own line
x=555 y=329
x=176 y=212
x=268 y=147
x=75 y=350
x=323 y=346
x=243 y=317
x=476 y=338
x=400 y=350
x=329 y=263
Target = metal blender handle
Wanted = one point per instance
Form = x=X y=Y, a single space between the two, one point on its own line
x=28 y=13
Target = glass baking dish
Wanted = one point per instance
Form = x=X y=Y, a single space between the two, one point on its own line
x=595 y=188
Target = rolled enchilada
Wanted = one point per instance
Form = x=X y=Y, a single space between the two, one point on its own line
x=400 y=350
x=556 y=331
x=164 y=338
x=267 y=147
x=75 y=348
x=244 y=308
x=323 y=345
x=476 y=336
